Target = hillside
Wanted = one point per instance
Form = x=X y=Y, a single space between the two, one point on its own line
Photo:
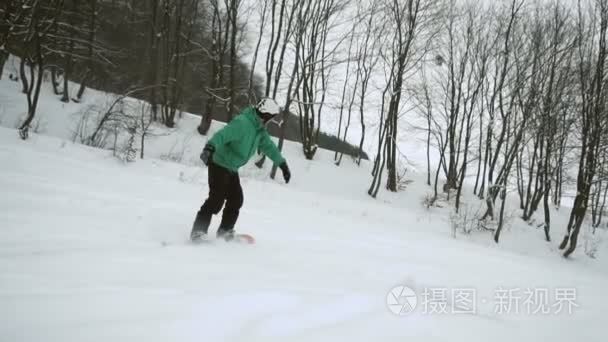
x=95 y=249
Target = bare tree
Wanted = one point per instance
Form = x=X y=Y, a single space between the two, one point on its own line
x=274 y=64
x=92 y=29
x=153 y=53
x=472 y=104
x=524 y=96
x=349 y=58
x=219 y=41
x=176 y=32
x=72 y=16
x=31 y=24
x=73 y=47
x=553 y=108
x=299 y=18
x=233 y=12
x=502 y=64
x=406 y=21
x=349 y=110
x=591 y=65
x=276 y=23
x=315 y=67
x=366 y=58
x=263 y=14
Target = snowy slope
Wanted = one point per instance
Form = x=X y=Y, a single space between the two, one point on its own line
x=81 y=259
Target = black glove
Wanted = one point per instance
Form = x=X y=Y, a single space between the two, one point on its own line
x=285 y=169
x=207 y=154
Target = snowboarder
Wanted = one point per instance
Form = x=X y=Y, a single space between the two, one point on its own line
x=228 y=150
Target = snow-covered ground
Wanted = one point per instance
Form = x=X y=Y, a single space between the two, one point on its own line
x=82 y=259
x=93 y=249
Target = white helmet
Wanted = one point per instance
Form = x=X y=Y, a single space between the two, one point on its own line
x=268 y=106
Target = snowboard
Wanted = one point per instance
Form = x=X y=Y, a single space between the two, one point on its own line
x=243 y=239
x=240 y=239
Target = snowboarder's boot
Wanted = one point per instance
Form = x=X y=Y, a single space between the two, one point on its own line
x=226 y=229
x=198 y=236
x=225 y=233
x=200 y=226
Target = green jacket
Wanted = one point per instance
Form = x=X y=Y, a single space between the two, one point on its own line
x=240 y=139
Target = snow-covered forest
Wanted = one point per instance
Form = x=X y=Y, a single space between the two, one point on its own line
x=508 y=93
x=477 y=126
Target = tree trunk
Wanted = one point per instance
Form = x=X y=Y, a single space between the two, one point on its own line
x=33 y=92
x=3 y=59
x=54 y=82
x=262 y=25
x=24 y=83
x=152 y=70
x=233 y=13
x=92 y=33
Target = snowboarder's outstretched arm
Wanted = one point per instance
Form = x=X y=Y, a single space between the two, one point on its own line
x=270 y=149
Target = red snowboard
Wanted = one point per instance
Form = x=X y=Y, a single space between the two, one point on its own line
x=244 y=238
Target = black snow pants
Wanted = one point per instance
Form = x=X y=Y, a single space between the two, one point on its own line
x=224 y=187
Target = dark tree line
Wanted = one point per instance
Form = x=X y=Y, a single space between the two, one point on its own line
x=178 y=55
x=158 y=45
